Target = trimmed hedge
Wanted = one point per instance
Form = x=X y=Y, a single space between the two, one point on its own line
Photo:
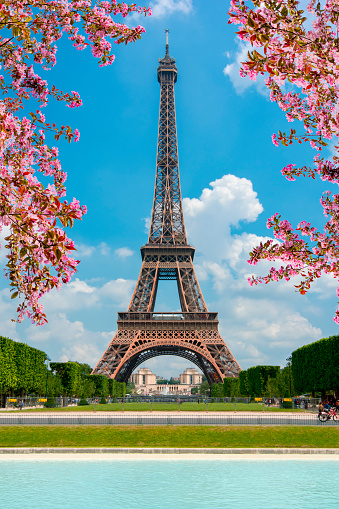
x=22 y=368
x=315 y=367
x=74 y=380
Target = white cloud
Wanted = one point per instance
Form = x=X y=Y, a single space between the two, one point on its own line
x=165 y=7
x=80 y=295
x=232 y=71
x=325 y=285
x=234 y=196
x=75 y=295
x=68 y=335
x=118 y=291
x=147 y=221
x=229 y=202
x=7 y=313
x=5 y=231
x=84 y=250
x=104 y=249
x=124 y=252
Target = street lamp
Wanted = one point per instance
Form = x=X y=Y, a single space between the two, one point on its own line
x=289 y=362
x=83 y=385
x=47 y=360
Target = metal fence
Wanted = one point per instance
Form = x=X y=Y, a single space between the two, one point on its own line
x=183 y=419
x=298 y=403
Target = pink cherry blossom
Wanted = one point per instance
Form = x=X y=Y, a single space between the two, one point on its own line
x=39 y=252
x=287 y=49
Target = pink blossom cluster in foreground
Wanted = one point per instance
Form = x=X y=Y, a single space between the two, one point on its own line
x=285 y=51
x=35 y=216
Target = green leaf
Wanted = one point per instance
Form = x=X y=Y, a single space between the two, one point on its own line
x=250 y=22
x=15 y=294
x=16 y=31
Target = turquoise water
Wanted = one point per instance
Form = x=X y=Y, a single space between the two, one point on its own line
x=168 y=484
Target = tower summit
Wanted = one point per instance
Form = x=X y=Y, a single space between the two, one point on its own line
x=193 y=333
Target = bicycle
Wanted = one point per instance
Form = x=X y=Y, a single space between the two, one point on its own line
x=326 y=416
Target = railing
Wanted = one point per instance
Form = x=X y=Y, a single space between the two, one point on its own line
x=131 y=316
x=305 y=405
x=165 y=418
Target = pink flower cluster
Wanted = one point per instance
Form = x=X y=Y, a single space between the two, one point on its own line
x=288 y=51
x=39 y=252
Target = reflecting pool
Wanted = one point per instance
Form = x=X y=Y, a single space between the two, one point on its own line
x=167 y=482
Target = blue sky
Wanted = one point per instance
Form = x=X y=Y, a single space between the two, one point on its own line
x=231 y=183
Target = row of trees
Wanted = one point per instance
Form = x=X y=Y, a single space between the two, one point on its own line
x=23 y=371
x=258 y=381
x=266 y=381
x=75 y=379
x=171 y=381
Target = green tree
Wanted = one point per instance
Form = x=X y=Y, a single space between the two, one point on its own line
x=204 y=388
x=70 y=374
x=231 y=387
x=243 y=382
x=217 y=390
x=101 y=385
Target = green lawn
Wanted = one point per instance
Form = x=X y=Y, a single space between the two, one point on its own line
x=184 y=407
x=168 y=436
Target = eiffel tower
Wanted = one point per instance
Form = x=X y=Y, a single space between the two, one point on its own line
x=193 y=332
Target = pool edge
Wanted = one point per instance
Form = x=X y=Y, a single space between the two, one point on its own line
x=163 y=450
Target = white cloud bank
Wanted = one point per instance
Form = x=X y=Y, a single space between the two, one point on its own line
x=259 y=324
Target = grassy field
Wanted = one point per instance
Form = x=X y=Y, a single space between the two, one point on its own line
x=168 y=436
x=145 y=407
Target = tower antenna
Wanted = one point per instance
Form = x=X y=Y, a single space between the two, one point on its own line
x=167 y=47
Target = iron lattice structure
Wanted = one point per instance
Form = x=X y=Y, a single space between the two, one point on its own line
x=142 y=333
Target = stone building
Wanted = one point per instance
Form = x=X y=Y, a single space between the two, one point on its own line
x=191 y=376
x=146 y=382
x=144 y=377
